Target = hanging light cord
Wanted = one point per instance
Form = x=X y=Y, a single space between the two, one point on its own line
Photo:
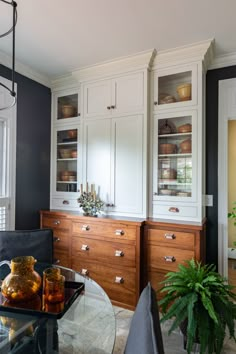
x=12 y=29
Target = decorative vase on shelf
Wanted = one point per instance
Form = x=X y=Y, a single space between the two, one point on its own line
x=23 y=283
x=89 y=201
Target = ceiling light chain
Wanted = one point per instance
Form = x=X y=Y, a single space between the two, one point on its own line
x=12 y=29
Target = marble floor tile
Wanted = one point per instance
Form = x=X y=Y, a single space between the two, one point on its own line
x=173 y=344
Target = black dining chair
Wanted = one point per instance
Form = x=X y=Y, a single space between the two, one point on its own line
x=145 y=335
x=37 y=243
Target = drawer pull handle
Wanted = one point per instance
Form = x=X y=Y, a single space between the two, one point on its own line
x=85 y=247
x=170 y=236
x=56 y=239
x=174 y=210
x=66 y=202
x=119 y=253
x=169 y=259
x=155 y=103
x=56 y=222
x=119 y=232
x=85 y=228
x=57 y=261
x=84 y=271
x=119 y=280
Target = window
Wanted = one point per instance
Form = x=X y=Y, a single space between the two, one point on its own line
x=7 y=161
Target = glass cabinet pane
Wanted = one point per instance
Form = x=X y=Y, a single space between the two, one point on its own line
x=175 y=88
x=67 y=159
x=67 y=106
x=175 y=157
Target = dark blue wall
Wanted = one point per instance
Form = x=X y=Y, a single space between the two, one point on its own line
x=32 y=149
x=212 y=82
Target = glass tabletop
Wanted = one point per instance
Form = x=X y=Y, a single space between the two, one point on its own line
x=88 y=326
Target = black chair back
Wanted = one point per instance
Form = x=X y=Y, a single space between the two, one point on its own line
x=36 y=243
x=145 y=335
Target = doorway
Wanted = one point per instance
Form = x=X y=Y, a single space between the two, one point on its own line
x=226 y=179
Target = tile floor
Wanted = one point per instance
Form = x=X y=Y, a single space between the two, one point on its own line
x=172 y=344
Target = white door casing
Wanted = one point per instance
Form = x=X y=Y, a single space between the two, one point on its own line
x=8 y=159
x=227 y=111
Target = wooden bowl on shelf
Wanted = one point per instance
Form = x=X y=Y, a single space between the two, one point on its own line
x=167 y=148
x=74 y=154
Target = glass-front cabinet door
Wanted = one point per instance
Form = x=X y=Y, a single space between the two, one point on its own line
x=66 y=159
x=175 y=88
x=175 y=156
x=67 y=107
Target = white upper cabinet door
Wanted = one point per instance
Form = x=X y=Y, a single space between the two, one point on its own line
x=127 y=165
x=97 y=99
x=96 y=156
x=128 y=93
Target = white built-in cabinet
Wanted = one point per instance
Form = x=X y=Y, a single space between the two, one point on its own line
x=65 y=150
x=125 y=128
x=119 y=95
x=114 y=142
x=178 y=143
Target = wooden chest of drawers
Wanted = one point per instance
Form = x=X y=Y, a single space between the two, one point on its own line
x=105 y=249
x=167 y=245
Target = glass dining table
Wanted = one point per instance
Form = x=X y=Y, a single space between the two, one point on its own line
x=88 y=326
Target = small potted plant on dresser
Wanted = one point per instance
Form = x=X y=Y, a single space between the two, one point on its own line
x=89 y=201
x=201 y=303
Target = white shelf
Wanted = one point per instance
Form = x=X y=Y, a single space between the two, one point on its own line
x=176 y=155
x=67 y=182
x=69 y=159
x=174 y=135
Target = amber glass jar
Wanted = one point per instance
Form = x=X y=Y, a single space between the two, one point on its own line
x=23 y=283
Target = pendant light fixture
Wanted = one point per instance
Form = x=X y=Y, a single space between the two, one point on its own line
x=11 y=91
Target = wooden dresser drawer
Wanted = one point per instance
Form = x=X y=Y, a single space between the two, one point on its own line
x=170 y=238
x=62 y=258
x=118 y=283
x=56 y=223
x=113 y=231
x=106 y=252
x=61 y=239
x=164 y=258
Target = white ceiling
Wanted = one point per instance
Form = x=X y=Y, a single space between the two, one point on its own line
x=55 y=37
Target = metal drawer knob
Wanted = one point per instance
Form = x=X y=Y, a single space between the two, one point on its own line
x=85 y=228
x=170 y=236
x=85 y=247
x=119 y=253
x=56 y=222
x=57 y=261
x=119 y=232
x=119 y=280
x=56 y=239
x=169 y=259
x=174 y=210
x=84 y=271
x=65 y=202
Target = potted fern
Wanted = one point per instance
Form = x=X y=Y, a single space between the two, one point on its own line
x=198 y=296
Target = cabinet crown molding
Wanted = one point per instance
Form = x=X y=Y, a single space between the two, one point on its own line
x=138 y=61
x=200 y=51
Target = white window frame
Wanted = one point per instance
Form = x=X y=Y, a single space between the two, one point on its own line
x=8 y=116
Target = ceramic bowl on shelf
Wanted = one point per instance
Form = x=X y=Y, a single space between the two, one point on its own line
x=165 y=98
x=169 y=173
x=68 y=111
x=65 y=153
x=167 y=148
x=186 y=146
x=167 y=192
x=74 y=154
x=185 y=128
x=184 y=92
x=72 y=134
